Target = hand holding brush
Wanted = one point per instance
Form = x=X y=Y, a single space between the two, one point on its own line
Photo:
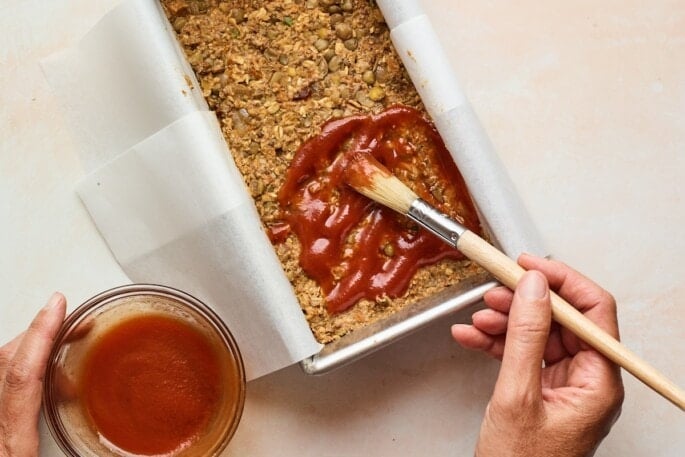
x=564 y=407
x=368 y=177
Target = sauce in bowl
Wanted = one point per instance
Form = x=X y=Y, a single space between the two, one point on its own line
x=143 y=370
x=152 y=384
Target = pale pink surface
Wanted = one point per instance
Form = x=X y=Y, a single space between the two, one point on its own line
x=585 y=103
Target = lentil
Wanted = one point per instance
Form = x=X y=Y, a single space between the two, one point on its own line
x=351 y=44
x=376 y=93
x=238 y=15
x=343 y=31
x=368 y=77
x=335 y=63
x=321 y=44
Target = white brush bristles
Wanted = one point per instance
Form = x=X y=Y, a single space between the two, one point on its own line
x=388 y=191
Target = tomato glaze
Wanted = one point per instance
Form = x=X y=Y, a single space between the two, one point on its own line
x=151 y=385
x=353 y=247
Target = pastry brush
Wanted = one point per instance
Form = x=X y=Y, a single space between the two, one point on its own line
x=368 y=177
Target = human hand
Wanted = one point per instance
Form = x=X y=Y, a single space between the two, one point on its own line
x=22 y=367
x=565 y=406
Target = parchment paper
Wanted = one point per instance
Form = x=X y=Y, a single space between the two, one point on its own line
x=167 y=197
x=162 y=187
x=431 y=72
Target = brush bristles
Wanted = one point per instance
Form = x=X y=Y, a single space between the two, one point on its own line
x=388 y=191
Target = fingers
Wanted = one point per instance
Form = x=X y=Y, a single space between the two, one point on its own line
x=22 y=387
x=589 y=298
x=527 y=332
x=490 y=321
x=488 y=329
x=472 y=338
x=499 y=299
x=600 y=307
x=493 y=321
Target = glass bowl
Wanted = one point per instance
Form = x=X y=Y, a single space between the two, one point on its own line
x=143 y=370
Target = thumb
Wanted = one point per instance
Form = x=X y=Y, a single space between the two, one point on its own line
x=527 y=333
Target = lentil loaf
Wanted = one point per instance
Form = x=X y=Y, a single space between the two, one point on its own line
x=274 y=71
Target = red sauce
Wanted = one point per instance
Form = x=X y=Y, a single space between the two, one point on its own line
x=152 y=384
x=351 y=246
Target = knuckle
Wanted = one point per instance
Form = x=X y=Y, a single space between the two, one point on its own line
x=596 y=296
x=616 y=400
x=609 y=297
x=5 y=357
x=559 y=265
x=17 y=377
x=609 y=301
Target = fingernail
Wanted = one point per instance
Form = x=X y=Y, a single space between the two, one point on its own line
x=532 y=286
x=54 y=300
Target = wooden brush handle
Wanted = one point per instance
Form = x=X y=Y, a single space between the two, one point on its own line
x=509 y=272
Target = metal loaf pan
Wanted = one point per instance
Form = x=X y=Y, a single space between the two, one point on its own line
x=364 y=341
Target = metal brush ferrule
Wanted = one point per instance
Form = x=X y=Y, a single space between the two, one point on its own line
x=435 y=221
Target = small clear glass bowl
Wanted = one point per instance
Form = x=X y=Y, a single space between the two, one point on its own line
x=64 y=412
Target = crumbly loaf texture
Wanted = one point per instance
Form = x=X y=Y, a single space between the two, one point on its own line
x=274 y=72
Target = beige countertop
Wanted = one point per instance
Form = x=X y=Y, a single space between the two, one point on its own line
x=585 y=103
